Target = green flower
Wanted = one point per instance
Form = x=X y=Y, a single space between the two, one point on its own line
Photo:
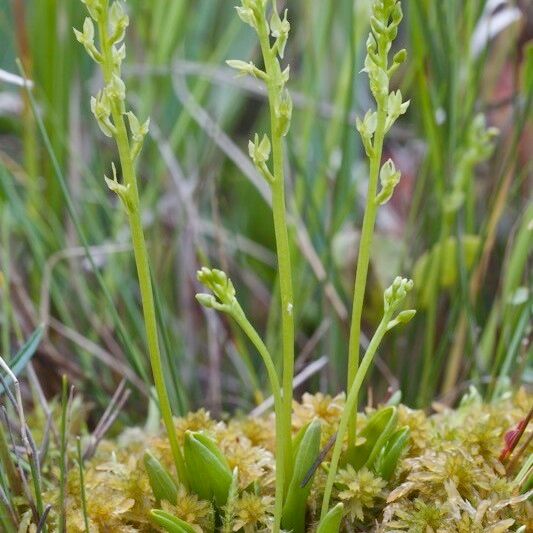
x=223 y=297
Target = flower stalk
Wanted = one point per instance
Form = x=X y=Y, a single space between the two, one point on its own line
x=392 y=299
x=223 y=299
x=273 y=37
x=109 y=110
x=386 y=16
x=275 y=83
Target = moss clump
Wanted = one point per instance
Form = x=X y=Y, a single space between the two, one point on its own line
x=449 y=479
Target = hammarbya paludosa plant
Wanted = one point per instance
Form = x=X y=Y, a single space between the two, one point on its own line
x=272 y=36
x=392 y=298
x=109 y=109
x=385 y=18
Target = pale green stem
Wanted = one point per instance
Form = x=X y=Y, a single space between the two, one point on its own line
x=282 y=242
x=363 y=260
x=433 y=281
x=83 y=495
x=351 y=404
x=256 y=340
x=141 y=261
x=5 y=282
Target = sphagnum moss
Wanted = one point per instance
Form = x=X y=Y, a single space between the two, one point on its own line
x=445 y=484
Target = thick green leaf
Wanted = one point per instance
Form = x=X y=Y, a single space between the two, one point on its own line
x=208 y=471
x=377 y=431
x=293 y=517
x=390 y=455
x=528 y=485
x=161 y=481
x=332 y=521
x=170 y=523
x=23 y=356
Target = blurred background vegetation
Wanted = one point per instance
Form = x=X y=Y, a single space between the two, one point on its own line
x=460 y=224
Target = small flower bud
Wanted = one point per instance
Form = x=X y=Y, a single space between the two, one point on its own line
x=260 y=154
x=379 y=80
x=371 y=44
x=86 y=38
x=118 y=55
x=284 y=113
x=406 y=316
x=123 y=191
x=280 y=31
x=402 y=318
x=251 y=12
x=246 y=69
x=116 y=89
x=138 y=133
x=394 y=294
x=118 y=22
x=397 y=14
x=247 y=16
x=101 y=109
x=400 y=57
x=259 y=151
x=207 y=300
x=395 y=108
x=95 y=8
x=389 y=177
x=366 y=129
x=377 y=25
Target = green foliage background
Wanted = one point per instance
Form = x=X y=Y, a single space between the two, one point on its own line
x=204 y=203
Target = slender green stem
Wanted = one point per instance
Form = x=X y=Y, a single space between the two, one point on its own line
x=351 y=404
x=363 y=259
x=6 y=519
x=33 y=460
x=15 y=483
x=5 y=282
x=63 y=456
x=281 y=450
x=433 y=280
x=83 y=495
x=282 y=240
x=141 y=261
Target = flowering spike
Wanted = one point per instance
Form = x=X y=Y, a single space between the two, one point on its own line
x=389 y=177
